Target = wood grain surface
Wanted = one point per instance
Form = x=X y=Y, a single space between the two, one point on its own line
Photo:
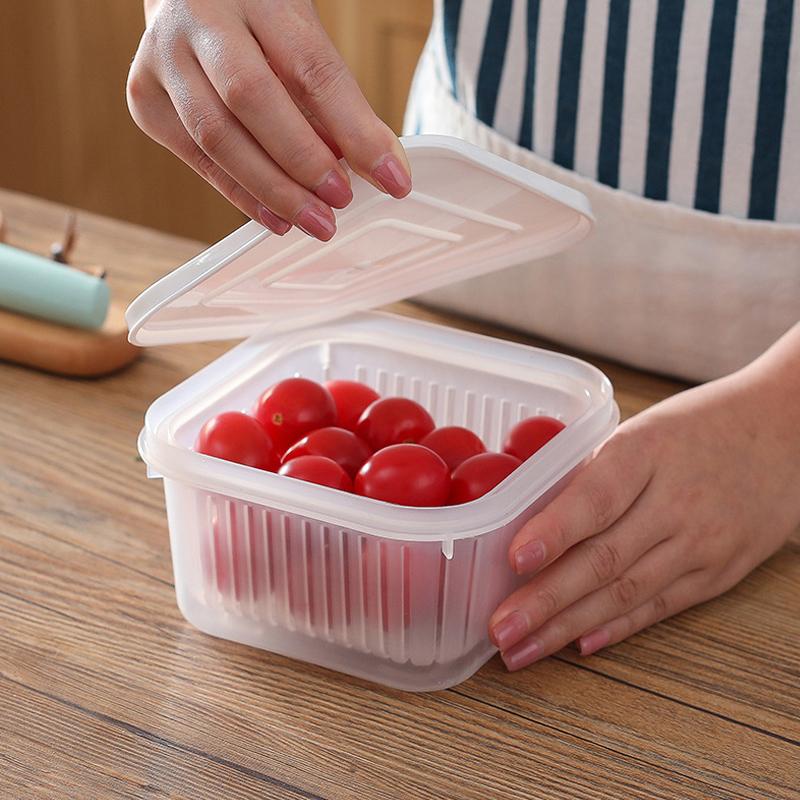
x=106 y=692
x=63 y=350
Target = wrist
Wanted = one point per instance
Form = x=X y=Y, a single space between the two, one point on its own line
x=773 y=380
x=770 y=412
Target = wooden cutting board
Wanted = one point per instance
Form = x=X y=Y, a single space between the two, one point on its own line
x=67 y=351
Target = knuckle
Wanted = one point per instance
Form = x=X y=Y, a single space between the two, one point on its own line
x=240 y=88
x=135 y=88
x=208 y=129
x=561 y=535
x=243 y=200
x=601 y=506
x=559 y=634
x=207 y=167
x=301 y=155
x=138 y=95
x=660 y=608
x=604 y=561
x=624 y=591
x=219 y=179
x=547 y=601
x=317 y=77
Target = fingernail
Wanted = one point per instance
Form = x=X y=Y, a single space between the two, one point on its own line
x=272 y=221
x=509 y=630
x=315 y=222
x=391 y=175
x=593 y=641
x=529 y=557
x=523 y=654
x=334 y=190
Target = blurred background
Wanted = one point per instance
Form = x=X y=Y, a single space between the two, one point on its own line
x=70 y=138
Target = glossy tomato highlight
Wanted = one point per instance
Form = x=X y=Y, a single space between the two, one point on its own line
x=318 y=469
x=406 y=474
x=454 y=444
x=530 y=435
x=350 y=398
x=338 y=444
x=292 y=408
x=234 y=436
x=480 y=474
x=394 y=420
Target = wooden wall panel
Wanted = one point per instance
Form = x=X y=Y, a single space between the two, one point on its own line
x=65 y=132
x=381 y=41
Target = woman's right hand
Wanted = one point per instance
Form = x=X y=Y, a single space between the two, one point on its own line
x=254 y=97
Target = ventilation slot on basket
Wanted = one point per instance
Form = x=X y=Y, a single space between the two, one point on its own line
x=267 y=526
x=488 y=415
x=402 y=601
x=441 y=618
x=473 y=545
x=285 y=593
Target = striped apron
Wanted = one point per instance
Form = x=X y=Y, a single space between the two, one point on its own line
x=681 y=123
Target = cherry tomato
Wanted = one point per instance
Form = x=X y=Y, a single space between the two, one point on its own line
x=318 y=469
x=530 y=435
x=351 y=398
x=292 y=408
x=394 y=420
x=454 y=444
x=480 y=474
x=234 y=436
x=341 y=446
x=406 y=474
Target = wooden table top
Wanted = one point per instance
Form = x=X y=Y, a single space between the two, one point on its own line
x=106 y=692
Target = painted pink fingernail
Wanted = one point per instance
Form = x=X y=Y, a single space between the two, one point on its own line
x=509 y=630
x=391 y=175
x=524 y=653
x=315 y=222
x=272 y=221
x=334 y=190
x=593 y=641
x=529 y=557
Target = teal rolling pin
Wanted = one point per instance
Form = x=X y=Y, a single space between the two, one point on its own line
x=31 y=284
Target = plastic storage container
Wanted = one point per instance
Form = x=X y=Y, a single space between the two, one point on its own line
x=398 y=595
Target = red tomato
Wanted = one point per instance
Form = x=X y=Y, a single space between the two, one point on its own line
x=351 y=398
x=480 y=474
x=234 y=436
x=530 y=435
x=406 y=474
x=318 y=469
x=292 y=408
x=341 y=446
x=394 y=420
x=454 y=444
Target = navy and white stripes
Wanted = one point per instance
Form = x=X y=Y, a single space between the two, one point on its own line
x=692 y=101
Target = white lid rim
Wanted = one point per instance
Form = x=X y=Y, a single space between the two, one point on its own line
x=406 y=523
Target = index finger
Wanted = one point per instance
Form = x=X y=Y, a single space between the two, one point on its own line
x=599 y=494
x=304 y=58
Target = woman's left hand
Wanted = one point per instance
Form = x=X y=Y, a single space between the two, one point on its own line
x=678 y=506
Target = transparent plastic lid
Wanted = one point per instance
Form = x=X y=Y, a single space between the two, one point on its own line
x=470 y=213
